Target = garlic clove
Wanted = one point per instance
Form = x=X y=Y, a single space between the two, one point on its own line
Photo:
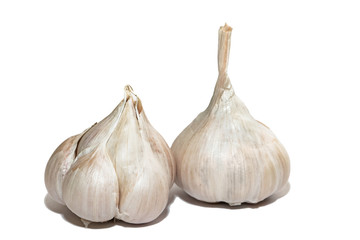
x=57 y=166
x=225 y=155
x=144 y=193
x=90 y=188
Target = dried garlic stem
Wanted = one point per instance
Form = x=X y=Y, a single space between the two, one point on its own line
x=224 y=48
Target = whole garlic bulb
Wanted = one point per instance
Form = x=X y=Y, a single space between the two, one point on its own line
x=225 y=155
x=119 y=168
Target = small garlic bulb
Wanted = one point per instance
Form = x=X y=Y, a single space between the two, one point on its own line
x=119 y=168
x=225 y=155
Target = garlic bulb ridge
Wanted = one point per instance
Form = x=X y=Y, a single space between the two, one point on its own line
x=225 y=155
x=119 y=168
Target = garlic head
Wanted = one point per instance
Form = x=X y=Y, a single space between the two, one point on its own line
x=119 y=168
x=225 y=155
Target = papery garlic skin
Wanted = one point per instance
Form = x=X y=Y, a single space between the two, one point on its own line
x=225 y=155
x=119 y=168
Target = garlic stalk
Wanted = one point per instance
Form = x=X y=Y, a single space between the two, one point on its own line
x=119 y=168
x=225 y=155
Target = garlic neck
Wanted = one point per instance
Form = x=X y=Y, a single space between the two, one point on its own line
x=223 y=91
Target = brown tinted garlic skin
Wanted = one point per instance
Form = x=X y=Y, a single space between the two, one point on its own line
x=225 y=155
x=119 y=168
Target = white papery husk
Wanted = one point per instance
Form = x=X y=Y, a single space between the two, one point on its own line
x=225 y=155
x=119 y=168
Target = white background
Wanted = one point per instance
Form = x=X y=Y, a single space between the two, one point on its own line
x=295 y=64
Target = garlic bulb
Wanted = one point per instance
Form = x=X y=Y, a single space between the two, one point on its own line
x=225 y=155
x=119 y=168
